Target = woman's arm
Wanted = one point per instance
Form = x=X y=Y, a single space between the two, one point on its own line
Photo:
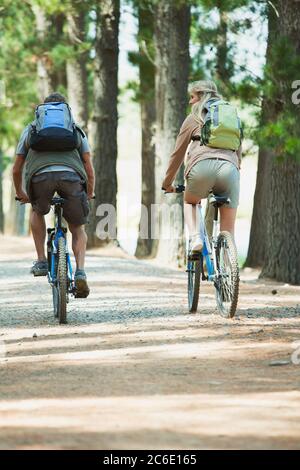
x=177 y=157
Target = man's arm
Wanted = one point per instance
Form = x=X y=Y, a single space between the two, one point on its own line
x=88 y=165
x=17 y=178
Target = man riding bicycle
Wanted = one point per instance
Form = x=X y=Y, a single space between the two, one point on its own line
x=58 y=162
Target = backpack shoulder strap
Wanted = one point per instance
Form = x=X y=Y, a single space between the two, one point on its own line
x=80 y=130
x=30 y=128
x=210 y=102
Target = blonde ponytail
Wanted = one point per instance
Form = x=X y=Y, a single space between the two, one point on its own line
x=206 y=90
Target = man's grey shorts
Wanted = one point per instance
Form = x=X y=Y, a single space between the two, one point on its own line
x=69 y=186
x=219 y=176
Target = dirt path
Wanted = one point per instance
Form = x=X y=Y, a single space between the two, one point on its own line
x=133 y=370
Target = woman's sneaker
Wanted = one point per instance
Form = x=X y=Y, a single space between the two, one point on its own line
x=39 y=268
x=196 y=243
x=81 y=287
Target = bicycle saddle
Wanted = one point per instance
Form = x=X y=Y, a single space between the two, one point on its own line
x=57 y=200
x=218 y=201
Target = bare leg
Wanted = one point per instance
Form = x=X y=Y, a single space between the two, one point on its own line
x=38 y=228
x=191 y=213
x=79 y=241
x=227 y=216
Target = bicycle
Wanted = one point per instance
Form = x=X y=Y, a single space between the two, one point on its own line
x=60 y=273
x=217 y=262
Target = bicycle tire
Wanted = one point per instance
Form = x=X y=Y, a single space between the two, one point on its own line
x=54 y=290
x=227 y=284
x=55 y=301
x=194 y=276
x=62 y=281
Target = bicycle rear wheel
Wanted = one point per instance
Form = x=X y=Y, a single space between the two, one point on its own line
x=227 y=281
x=194 y=274
x=54 y=288
x=62 y=281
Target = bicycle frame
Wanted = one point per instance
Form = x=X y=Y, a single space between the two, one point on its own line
x=208 y=250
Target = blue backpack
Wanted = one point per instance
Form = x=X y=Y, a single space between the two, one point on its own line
x=54 y=128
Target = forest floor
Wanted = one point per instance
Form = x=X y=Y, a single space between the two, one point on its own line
x=134 y=370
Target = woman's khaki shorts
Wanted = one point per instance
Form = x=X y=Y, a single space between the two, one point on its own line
x=217 y=175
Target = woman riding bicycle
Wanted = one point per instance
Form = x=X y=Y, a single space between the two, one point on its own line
x=207 y=169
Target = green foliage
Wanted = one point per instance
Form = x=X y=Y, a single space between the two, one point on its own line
x=214 y=47
x=19 y=53
x=144 y=58
x=282 y=134
x=17 y=70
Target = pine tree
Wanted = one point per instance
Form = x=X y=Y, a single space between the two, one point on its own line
x=282 y=135
x=258 y=241
x=172 y=32
x=77 y=73
x=145 y=96
x=105 y=117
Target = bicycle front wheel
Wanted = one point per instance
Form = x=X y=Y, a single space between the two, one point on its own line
x=62 y=281
x=227 y=280
x=55 y=298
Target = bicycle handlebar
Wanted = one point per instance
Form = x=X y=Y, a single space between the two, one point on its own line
x=178 y=189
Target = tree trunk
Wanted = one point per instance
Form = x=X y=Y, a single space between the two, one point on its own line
x=15 y=220
x=172 y=69
x=57 y=73
x=44 y=86
x=147 y=107
x=282 y=261
x=1 y=193
x=76 y=66
x=258 y=241
x=105 y=117
x=283 y=251
x=222 y=71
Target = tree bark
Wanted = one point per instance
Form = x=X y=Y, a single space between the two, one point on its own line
x=105 y=117
x=147 y=109
x=44 y=85
x=262 y=197
x=56 y=35
x=1 y=193
x=15 y=220
x=222 y=72
x=172 y=68
x=50 y=31
x=76 y=65
x=282 y=261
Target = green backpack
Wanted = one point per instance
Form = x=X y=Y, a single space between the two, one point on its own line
x=222 y=126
